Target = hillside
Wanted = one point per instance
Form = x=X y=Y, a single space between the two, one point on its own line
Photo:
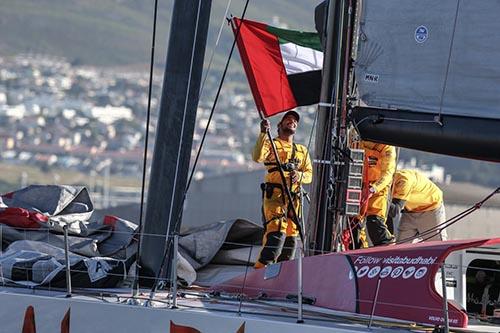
x=117 y=32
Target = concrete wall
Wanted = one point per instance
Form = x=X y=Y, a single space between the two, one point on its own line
x=223 y=198
x=238 y=196
x=484 y=222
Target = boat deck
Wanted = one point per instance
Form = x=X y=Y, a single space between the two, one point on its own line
x=195 y=306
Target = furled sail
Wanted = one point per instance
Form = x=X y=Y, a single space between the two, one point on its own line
x=428 y=75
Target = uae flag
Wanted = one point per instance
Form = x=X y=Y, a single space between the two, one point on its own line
x=283 y=67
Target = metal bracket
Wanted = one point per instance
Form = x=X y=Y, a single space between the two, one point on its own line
x=324 y=162
x=326 y=105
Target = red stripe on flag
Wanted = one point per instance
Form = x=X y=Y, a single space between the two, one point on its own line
x=174 y=328
x=261 y=57
x=29 y=320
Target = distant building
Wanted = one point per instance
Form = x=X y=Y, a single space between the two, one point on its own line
x=109 y=114
x=434 y=172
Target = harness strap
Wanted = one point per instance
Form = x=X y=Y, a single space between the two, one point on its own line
x=277 y=167
x=280 y=218
x=267 y=192
x=271 y=170
x=271 y=186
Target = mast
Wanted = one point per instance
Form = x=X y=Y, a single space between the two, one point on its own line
x=174 y=132
x=324 y=207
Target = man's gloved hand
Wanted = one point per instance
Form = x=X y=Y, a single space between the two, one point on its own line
x=294 y=175
x=396 y=207
x=393 y=209
x=265 y=126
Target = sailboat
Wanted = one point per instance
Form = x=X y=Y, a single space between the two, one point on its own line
x=406 y=287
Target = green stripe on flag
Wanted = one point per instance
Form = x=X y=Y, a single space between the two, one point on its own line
x=305 y=39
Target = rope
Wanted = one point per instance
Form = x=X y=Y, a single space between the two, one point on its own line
x=167 y=235
x=307 y=231
x=437 y=229
x=411 y=120
x=212 y=110
x=135 y=285
x=377 y=118
x=338 y=144
x=178 y=220
x=323 y=182
x=184 y=112
x=215 y=48
x=448 y=61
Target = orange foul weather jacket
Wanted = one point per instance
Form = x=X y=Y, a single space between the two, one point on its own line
x=381 y=160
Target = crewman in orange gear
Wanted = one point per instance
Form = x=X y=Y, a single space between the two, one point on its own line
x=416 y=207
x=381 y=164
x=280 y=229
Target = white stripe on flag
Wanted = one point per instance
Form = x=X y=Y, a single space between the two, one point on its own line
x=299 y=59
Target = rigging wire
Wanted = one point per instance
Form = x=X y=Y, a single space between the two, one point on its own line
x=307 y=231
x=378 y=118
x=339 y=126
x=326 y=175
x=458 y=217
x=135 y=285
x=205 y=132
x=193 y=169
x=188 y=88
x=429 y=233
x=448 y=62
x=181 y=135
x=324 y=179
x=323 y=148
x=209 y=66
x=411 y=120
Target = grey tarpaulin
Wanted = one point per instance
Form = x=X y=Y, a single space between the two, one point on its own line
x=72 y=206
x=218 y=250
x=38 y=263
x=100 y=250
x=207 y=254
x=57 y=201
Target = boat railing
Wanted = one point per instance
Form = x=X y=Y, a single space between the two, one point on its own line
x=239 y=287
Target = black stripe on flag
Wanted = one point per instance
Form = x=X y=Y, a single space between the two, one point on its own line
x=306 y=87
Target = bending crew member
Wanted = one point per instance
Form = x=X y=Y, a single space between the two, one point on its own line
x=280 y=230
x=381 y=164
x=417 y=206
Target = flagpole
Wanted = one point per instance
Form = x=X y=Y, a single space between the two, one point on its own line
x=283 y=180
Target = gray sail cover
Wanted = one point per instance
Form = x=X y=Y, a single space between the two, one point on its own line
x=411 y=55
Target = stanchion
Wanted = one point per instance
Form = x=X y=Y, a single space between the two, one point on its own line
x=1 y=252
x=445 y=300
x=300 y=288
x=374 y=303
x=240 y=303
x=174 y=272
x=68 y=264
